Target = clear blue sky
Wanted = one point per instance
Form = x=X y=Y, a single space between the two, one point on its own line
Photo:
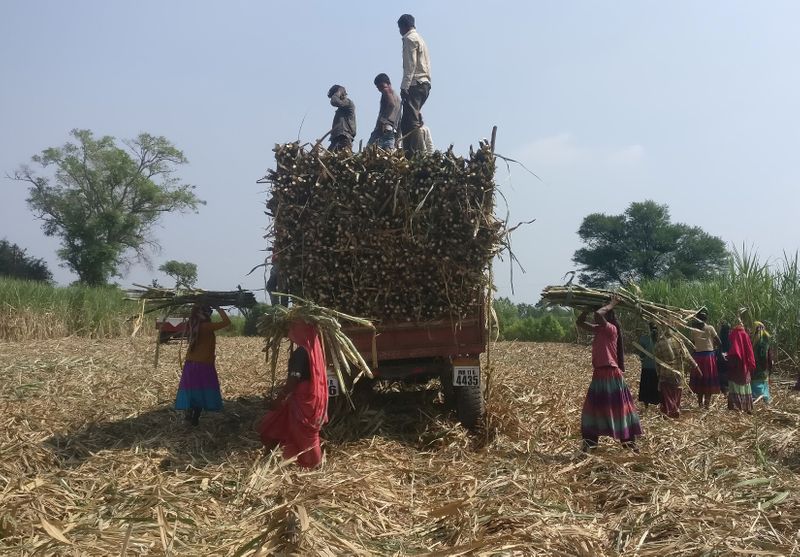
x=693 y=104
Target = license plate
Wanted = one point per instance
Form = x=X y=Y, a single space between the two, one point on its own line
x=333 y=385
x=466 y=376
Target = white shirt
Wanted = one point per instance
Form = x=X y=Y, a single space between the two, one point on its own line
x=427 y=140
x=416 y=61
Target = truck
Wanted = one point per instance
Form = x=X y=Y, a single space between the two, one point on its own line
x=404 y=240
x=444 y=349
x=171 y=328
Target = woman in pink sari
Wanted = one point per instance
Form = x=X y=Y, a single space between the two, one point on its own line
x=301 y=409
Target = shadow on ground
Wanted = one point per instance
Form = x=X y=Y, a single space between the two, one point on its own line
x=218 y=435
x=414 y=416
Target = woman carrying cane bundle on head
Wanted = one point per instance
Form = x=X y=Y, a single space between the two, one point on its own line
x=199 y=386
x=609 y=408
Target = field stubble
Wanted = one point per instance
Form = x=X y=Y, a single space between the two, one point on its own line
x=95 y=462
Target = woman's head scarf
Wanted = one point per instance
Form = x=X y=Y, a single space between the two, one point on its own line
x=761 y=344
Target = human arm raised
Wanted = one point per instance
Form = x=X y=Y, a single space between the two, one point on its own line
x=221 y=324
x=601 y=313
x=581 y=322
x=340 y=100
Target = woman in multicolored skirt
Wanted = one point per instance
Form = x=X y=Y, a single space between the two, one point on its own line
x=704 y=381
x=763 y=355
x=199 y=386
x=741 y=362
x=672 y=360
x=608 y=409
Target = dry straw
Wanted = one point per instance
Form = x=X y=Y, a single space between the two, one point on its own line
x=95 y=462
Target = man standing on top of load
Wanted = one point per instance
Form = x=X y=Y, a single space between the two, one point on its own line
x=388 y=115
x=416 y=84
x=343 y=129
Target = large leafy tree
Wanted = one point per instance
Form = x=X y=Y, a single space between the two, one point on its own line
x=103 y=200
x=643 y=243
x=16 y=263
x=184 y=273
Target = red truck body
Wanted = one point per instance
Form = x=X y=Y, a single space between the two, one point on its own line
x=405 y=349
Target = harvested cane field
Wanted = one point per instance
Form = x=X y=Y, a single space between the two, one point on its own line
x=95 y=462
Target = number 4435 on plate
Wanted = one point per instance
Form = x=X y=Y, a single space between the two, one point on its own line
x=466 y=373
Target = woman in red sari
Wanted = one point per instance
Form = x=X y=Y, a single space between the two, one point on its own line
x=297 y=415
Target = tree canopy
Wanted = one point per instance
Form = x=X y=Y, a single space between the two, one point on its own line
x=643 y=243
x=16 y=263
x=102 y=200
x=184 y=273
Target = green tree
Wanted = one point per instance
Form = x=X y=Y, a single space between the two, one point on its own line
x=184 y=273
x=643 y=243
x=16 y=263
x=103 y=200
x=548 y=329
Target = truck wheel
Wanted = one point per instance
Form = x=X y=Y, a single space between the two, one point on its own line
x=469 y=405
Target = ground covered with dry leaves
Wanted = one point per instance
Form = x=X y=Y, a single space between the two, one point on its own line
x=93 y=461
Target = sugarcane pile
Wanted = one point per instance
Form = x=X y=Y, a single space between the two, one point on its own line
x=170 y=299
x=342 y=355
x=376 y=234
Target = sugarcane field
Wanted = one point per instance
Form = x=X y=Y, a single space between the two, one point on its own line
x=521 y=281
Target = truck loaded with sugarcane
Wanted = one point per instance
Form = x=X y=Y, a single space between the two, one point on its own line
x=406 y=242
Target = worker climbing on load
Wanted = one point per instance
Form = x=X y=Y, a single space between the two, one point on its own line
x=416 y=84
x=343 y=129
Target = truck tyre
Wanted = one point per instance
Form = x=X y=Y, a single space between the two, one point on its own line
x=469 y=405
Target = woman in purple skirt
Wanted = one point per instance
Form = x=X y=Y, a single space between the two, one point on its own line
x=199 y=386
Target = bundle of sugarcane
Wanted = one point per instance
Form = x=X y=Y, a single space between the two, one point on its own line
x=374 y=233
x=582 y=297
x=155 y=299
x=340 y=352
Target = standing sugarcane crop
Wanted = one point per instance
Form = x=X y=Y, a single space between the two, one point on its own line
x=608 y=409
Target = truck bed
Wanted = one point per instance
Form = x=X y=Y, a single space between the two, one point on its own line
x=431 y=339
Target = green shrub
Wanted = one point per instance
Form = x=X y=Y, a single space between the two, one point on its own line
x=251 y=319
